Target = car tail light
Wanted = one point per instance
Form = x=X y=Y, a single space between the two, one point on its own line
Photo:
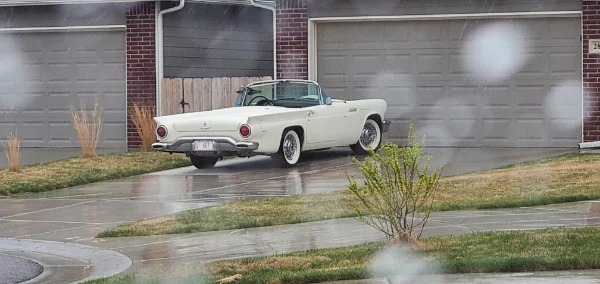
x=245 y=130
x=161 y=132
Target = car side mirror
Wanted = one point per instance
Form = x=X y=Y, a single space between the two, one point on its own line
x=328 y=101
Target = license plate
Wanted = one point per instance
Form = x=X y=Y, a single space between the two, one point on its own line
x=203 y=145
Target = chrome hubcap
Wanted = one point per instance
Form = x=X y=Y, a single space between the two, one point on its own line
x=289 y=147
x=368 y=135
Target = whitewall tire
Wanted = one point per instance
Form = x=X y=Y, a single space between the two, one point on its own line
x=370 y=138
x=289 y=150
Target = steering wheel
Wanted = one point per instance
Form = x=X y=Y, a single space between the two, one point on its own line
x=267 y=101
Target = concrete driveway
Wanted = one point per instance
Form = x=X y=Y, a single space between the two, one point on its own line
x=76 y=215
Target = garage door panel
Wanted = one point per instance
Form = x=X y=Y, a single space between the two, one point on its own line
x=63 y=69
x=429 y=64
x=530 y=130
x=418 y=67
x=428 y=95
x=399 y=63
x=365 y=67
x=564 y=63
x=400 y=96
x=59 y=132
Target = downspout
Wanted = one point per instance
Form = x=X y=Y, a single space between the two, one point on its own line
x=272 y=8
x=159 y=48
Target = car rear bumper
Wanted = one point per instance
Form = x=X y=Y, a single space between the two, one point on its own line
x=386 y=126
x=222 y=144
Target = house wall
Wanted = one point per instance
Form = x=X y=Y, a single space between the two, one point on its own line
x=141 y=60
x=63 y=15
x=292 y=39
x=208 y=40
x=591 y=72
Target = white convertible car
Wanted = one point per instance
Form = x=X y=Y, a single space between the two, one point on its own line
x=279 y=118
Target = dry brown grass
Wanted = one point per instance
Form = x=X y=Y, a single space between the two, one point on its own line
x=13 y=153
x=573 y=176
x=88 y=128
x=142 y=117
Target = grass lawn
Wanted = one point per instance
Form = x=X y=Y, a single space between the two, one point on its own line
x=516 y=251
x=78 y=171
x=567 y=178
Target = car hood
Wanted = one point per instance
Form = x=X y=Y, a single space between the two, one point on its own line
x=226 y=119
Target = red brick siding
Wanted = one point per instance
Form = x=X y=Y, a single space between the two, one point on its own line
x=141 y=69
x=292 y=39
x=591 y=72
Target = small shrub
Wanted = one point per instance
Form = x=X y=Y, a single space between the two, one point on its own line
x=397 y=187
x=142 y=117
x=88 y=128
x=13 y=153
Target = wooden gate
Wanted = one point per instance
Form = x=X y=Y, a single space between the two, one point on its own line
x=179 y=95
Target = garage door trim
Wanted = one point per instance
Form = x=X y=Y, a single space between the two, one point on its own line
x=312 y=25
x=64 y=29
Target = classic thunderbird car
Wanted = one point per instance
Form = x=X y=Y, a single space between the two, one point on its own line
x=279 y=118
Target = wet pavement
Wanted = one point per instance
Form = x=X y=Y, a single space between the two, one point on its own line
x=76 y=215
x=17 y=269
x=62 y=262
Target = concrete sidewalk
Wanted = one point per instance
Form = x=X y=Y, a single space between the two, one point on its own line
x=169 y=252
x=544 y=277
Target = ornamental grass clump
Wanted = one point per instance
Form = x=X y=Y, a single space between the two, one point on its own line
x=142 y=117
x=12 y=150
x=397 y=195
x=88 y=127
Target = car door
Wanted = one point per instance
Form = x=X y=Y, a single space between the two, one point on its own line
x=324 y=124
x=354 y=119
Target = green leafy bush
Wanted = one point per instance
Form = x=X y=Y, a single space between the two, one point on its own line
x=398 y=190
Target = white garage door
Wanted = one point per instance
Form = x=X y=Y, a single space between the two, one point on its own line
x=458 y=81
x=43 y=73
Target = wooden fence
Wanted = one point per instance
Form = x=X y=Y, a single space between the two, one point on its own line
x=179 y=95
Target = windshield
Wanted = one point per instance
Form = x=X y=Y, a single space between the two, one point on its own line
x=285 y=94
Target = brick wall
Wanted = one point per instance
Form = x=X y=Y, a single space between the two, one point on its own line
x=141 y=70
x=591 y=72
x=292 y=39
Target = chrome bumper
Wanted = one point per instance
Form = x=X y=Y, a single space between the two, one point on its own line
x=223 y=144
x=386 y=126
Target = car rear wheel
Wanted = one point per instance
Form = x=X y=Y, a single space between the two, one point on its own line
x=203 y=162
x=370 y=137
x=289 y=150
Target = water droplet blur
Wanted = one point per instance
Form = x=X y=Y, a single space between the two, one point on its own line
x=563 y=103
x=14 y=79
x=401 y=265
x=496 y=51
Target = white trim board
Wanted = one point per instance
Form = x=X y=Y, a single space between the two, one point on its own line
x=588 y=145
x=449 y=16
x=8 y=3
x=63 y=29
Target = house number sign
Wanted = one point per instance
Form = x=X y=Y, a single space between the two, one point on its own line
x=594 y=46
